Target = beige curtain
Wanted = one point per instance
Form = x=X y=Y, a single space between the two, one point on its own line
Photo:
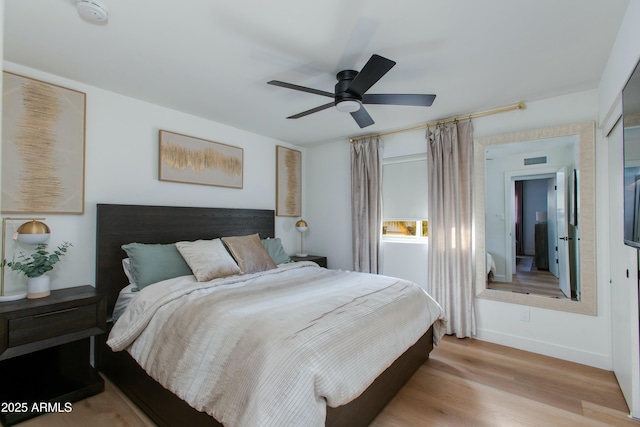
x=366 y=203
x=450 y=163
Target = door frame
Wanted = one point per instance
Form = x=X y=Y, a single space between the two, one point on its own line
x=509 y=202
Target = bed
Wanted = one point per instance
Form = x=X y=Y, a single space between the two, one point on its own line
x=118 y=225
x=491 y=267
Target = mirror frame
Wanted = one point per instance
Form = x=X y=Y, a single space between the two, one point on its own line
x=588 y=298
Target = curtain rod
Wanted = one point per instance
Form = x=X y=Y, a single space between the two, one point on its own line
x=519 y=106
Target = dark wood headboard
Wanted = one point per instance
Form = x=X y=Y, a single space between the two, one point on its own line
x=118 y=225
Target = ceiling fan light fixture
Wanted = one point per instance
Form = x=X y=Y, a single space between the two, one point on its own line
x=348 y=106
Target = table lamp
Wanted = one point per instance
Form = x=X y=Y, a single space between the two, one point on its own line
x=301 y=226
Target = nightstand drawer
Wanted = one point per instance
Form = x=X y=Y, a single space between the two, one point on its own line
x=24 y=330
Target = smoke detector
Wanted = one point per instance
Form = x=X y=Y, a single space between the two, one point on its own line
x=92 y=10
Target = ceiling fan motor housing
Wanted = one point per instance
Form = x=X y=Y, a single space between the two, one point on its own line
x=345 y=78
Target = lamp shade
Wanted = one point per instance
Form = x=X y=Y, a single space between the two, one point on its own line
x=301 y=225
x=33 y=232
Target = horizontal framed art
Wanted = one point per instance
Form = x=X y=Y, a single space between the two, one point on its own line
x=288 y=182
x=43 y=147
x=197 y=161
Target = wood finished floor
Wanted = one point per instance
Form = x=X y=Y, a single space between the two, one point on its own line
x=528 y=279
x=464 y=383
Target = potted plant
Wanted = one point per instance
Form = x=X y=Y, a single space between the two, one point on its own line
x=36 y=266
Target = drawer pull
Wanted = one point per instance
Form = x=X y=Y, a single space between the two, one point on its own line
x=55 y=312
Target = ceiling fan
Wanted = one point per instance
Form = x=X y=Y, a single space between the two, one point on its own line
x=350 y=92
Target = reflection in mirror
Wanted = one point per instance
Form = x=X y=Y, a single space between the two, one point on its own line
x=534 y=217
x=631 y=125
x=531 y=229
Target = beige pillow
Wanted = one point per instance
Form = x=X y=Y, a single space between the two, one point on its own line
x=249 y=253
x=208 y=259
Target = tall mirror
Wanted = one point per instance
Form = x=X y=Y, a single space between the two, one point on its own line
x=535 y=217
x=631 y=125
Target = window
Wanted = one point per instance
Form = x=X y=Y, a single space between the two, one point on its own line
x=405 y=228
x=404 y=197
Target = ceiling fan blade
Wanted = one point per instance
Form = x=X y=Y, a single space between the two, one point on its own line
x=362 y=117
x=300 y=88
x=373 y=70
x=311 y=111
x=398 y=99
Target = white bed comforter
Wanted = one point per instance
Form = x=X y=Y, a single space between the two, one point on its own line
x=274 y=348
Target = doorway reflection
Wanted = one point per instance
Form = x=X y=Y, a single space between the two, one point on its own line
x=535 y=270
x=536 y=213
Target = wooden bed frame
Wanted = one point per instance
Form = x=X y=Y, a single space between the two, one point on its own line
x=121 y=224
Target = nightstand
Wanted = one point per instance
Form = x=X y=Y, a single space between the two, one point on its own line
x=45 y=352
x=320 y=260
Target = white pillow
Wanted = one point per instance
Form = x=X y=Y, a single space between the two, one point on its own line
x=208 y=259
x=126 y=266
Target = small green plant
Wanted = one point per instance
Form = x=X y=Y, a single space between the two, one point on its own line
x=40 y=261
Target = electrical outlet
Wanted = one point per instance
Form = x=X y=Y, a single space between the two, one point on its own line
x=524 y=314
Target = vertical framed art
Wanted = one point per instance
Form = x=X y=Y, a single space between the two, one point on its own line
x=198 y=161
x=288 y=182
x=43 y=147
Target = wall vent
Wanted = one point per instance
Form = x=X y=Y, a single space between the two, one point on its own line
x=535 y=161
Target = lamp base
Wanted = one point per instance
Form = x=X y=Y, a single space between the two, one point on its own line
x=302 y=255
x=13 y=296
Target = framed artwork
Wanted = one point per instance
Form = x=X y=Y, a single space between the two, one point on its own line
x=288 y=182
x=43 y=147
x=198 y=161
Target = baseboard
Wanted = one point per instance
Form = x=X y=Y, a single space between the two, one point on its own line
x=545 y=348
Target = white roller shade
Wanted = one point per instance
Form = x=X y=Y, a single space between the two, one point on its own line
x=404 y=189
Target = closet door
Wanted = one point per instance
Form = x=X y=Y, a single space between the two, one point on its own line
x=624 y=284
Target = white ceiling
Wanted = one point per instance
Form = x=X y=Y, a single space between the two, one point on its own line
x=212 y=58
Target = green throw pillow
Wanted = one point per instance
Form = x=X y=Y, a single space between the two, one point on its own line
x=275 y=249
x=151 y=263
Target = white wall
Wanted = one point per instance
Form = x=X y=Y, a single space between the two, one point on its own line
x=122 y=167
x=565 y=335
x=327 y=201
